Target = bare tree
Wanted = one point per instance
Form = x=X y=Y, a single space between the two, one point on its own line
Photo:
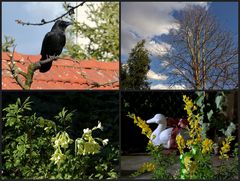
x=202 y=54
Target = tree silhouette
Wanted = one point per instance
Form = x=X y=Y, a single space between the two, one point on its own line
x=134 y=73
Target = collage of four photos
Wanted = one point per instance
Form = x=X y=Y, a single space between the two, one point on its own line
x=120 y=90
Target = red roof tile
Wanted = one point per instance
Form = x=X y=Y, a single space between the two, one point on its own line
x=65 y=73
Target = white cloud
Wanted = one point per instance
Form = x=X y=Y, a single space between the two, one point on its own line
x=164 y=63
x=167 y=87
x=148 y=19
x=47 y=10
x=153 y=75
x=156 y=49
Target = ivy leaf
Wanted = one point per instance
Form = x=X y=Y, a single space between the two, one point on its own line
x=209 y=114
x=219 y=102
x=200 y=100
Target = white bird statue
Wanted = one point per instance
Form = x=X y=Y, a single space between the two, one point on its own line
x=161 y=135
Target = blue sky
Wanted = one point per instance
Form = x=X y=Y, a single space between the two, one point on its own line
x=133 y=16
x=28 y=38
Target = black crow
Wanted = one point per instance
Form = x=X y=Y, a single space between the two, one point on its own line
x=53 y=43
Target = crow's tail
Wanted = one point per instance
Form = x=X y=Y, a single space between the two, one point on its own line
x=45 y=67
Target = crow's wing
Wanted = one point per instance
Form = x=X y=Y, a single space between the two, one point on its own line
x=52 y=45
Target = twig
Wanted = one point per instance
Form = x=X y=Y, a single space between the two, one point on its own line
x=43 y=22
x=30 y=70
x=96 y=84
x=15 y=71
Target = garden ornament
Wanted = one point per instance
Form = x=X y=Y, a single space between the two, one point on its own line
x=166 y=136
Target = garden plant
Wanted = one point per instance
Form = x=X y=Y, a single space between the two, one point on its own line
x=197 y=150
x=39 y=148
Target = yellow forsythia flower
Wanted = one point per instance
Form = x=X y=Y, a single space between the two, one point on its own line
x=190 y=165
x=187 y=161
x=207 y=146
x=180 y=143
x=146 y=130
x=194 y=121
x=226 y=147
x=146 y=167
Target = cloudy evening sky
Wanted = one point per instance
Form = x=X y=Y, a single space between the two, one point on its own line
x=151 y=20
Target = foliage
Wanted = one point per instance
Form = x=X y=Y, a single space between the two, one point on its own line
x=28 y=154
x=195 y=149
x=134 y=73
x=195 y=162
x=8 y=43
x=228 y=171
x=146 y=167
x=88 y=107
x=102 y=35
x=212 y=114
x=160 y=163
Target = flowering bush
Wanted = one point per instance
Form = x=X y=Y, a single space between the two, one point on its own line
x=87 y=144
x=195 y=162
x=195 y=148
x=27 y=152
x=160 y=163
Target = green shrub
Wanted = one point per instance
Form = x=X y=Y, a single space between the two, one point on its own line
x=39 y=148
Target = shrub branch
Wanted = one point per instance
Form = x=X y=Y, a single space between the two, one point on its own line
x=28 y=76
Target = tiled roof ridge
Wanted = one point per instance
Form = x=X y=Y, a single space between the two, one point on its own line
x=24 y=59
x=30 y=55
x=66 y=73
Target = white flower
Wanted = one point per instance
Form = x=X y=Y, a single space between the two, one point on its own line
x=87 y=130
x=99 y=125
x=105 y=142
x=57 y=143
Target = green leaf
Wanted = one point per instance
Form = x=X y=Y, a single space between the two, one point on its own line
x=209 y=114
x=200 y=100
x=219 y=101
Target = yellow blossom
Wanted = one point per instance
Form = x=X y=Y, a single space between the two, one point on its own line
x=190 y=142
x=180 y=143
x=187 y=161
x=194 y=121
x=225 y=147
x=146 y=167
x=146 y=130
x=207 y=146
x=190 y=165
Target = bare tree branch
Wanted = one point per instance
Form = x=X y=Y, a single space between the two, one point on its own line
x=43 y=21
x=28 y=76
x=15 y=71
x=202 y=53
